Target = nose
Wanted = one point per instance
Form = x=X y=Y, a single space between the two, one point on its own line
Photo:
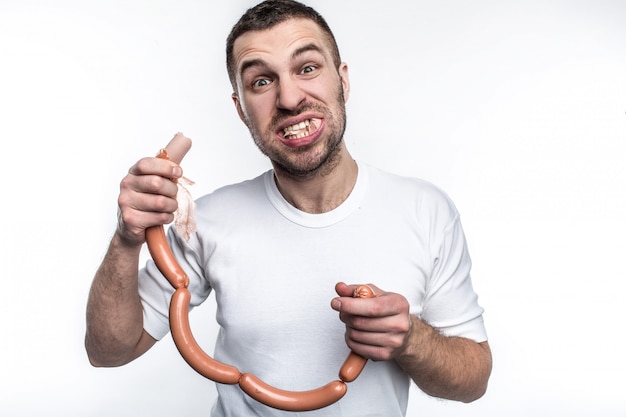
x=289 y=95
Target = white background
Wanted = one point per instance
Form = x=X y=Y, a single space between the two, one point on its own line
x=516 y=109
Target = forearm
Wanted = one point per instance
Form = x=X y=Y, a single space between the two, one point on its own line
x=446 y=367
x=114 y=313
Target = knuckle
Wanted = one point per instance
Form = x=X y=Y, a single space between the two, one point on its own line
x=377 y=309
x=383 y=354
x=165 y=218
x=401 y=326
x=161 y=203
x=128 y=217
x=122 y=200
x=359 y=322
x=124 y=184
x=165 y=204
x=396 y=343
x=154 y=183
x=345 y=318
x=142 y=166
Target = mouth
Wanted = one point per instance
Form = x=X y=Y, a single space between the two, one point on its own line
x=301 y=129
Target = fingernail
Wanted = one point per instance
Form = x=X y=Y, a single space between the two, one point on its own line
x=177 y=172
x=335 y=304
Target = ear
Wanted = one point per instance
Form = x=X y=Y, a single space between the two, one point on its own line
x=345 y=80
x=237 y=103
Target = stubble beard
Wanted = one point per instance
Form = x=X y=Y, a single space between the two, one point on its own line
x=305 y=162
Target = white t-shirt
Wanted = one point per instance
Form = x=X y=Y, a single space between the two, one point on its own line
x=273 y=269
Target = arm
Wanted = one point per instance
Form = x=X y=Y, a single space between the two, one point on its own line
x=115 y=334
x=454 y=368
x=381 y=328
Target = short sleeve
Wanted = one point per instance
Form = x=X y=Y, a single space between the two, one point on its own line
x=451 y=304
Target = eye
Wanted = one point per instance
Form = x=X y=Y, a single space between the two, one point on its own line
x=262 y=82
x=308 y=69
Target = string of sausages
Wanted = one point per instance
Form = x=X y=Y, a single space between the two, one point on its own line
x=217 y=371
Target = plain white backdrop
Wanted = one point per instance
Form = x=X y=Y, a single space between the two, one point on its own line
x=516 y=109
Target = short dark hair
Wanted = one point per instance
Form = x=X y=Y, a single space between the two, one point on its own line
x=268 y=14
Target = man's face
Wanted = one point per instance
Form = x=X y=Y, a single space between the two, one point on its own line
x=291 y=96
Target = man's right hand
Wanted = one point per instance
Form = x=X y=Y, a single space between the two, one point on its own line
x=147 y=198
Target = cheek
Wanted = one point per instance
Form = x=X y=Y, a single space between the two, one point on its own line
x=329 y=90
x=257 y=113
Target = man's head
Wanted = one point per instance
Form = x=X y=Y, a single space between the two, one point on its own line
x=290 y=87
x=267 y=15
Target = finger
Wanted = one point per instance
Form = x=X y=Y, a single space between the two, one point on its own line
x=133 y=222
x=366 y=326
x=153 y=184
x=153 y=203
x=370 y=351
x=156 y=166
x=138 y=220
x=141 y=198
x=388 y=312
x=147 y=193
x=344 y=290
x=358 y=338
x=144 y=210
x=381 y=341
x=378 y=306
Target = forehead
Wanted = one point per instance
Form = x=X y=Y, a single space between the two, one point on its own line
x=279 y=42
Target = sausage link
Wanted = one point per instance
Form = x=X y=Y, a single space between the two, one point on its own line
x=354 y=363
x=363 y=291
x=176 y=149
x=292 y=400
x=155 y=236
x=189 y=348
x=163 y=257
x=352 y=367
x=179 y=304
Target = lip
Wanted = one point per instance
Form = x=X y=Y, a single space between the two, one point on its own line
x=304 y=141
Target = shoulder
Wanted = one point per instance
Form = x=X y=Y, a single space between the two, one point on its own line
x=234 y=194
x=231 y=207
x=420 y=195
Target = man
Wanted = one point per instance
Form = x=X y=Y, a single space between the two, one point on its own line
x=274 y=248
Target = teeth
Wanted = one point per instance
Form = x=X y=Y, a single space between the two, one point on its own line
x=296 y=135
x=297 y=126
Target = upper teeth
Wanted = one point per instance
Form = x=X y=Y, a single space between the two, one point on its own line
x=298 y=126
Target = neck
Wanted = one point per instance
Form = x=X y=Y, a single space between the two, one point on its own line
x=322 y=191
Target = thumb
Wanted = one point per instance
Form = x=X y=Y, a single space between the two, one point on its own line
x=344 y=290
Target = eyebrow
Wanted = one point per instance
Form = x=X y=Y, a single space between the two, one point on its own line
x=252 y=63
x=306 y=48
x=258 y=62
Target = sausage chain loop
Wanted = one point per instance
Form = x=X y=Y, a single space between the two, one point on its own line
x=222 y=373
